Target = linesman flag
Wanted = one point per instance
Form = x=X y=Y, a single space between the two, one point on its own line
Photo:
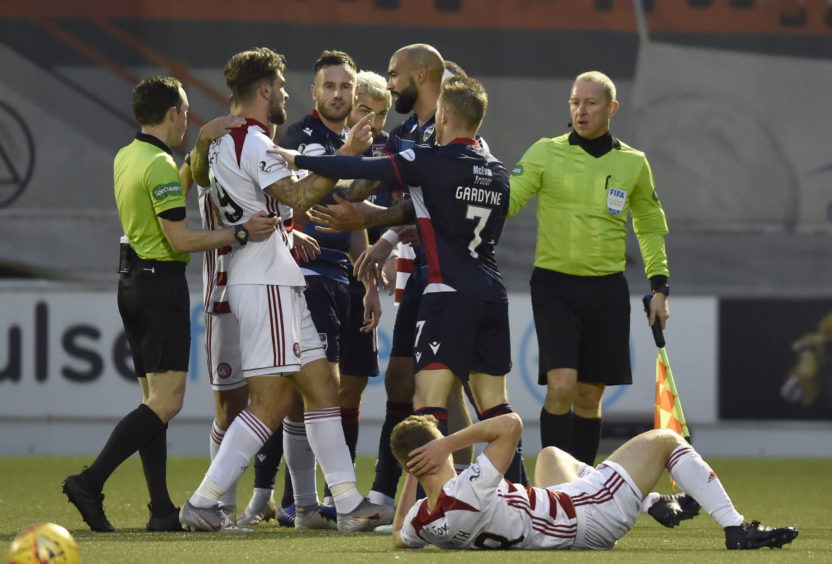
x=669 y=413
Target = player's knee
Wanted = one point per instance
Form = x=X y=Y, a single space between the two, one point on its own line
x=668 y=438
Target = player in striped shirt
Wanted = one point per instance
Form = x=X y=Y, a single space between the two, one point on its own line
x=571 y=506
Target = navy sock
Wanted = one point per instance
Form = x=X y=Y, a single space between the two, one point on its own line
x=267 y=460
x=388 y=470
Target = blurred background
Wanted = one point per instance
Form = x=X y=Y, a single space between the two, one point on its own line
x=728 y=99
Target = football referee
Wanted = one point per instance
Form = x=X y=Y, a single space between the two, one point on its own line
x=586 y=181
x=153 y=297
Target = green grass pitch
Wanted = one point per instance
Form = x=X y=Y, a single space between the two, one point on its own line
x=774 y=491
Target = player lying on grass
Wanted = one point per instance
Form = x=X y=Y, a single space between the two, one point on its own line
x=572 y=506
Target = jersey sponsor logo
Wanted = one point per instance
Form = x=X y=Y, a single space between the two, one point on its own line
x=482 y=170
x=408 y=155
x=224 y=370
x=616 y=198
x=267 y=167
x=164 y=191
x=517 y=171
x=434 y=346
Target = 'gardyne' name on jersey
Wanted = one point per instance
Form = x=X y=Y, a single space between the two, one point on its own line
x=479 y=195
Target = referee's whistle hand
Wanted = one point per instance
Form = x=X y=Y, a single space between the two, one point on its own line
x=260 y=226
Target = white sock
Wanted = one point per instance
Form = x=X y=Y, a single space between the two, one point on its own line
x=326 y=437
x=242 y=440
x=380 y=499
x=229 y=498
x=300 y=461
x=696 y=478
x=649 y=500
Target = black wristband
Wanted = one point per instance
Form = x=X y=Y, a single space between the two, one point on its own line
x=659 y=283
x=241 y=234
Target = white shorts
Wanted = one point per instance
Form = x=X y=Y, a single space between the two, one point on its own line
x=222 y=352
x=607 y=504
x=277 y=335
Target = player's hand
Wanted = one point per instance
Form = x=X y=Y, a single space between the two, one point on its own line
x=337 y=218
x=372 y=309
x=287 y=155
x=409 y=234
x=305 y=248
x=428 y=458
x=260 y=226
x=368 y=264
x=659 y=309
x=359 y=139
x=218 y=127
x=388 y=275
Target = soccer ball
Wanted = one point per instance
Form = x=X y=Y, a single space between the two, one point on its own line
x=44 y=543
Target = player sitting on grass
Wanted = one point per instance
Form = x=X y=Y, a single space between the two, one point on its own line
x=573 y=506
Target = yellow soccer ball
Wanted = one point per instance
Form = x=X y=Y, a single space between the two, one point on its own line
x=44 y=543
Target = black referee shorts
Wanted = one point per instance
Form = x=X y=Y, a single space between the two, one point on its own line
x=154 y=304
x=582 y=322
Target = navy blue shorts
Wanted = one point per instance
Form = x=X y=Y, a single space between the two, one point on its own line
x=404 y=328
x=582 y=322
x=155 y=308
x=360 y=351
x=463 y=334
x=329 y=304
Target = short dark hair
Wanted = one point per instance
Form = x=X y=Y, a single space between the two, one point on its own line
x=153 y=97
x=466 y=98
x=329 y=58
x=246 y=70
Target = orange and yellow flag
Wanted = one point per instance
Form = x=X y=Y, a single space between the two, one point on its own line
x=668 y=413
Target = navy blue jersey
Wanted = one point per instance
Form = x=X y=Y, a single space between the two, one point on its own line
x=405 y=136
x=460 y=193
x=311 y=136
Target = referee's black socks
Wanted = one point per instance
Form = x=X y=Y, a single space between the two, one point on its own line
x=128 y=436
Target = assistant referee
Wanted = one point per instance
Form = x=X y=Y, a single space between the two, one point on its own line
x=153 y=297
x=586 y=181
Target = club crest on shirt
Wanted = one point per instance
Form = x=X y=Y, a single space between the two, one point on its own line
x=616 y=198
x=427 y=133
x=296 y=349
x=324 y=340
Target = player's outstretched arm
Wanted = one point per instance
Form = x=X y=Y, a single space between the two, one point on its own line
x=406 y=501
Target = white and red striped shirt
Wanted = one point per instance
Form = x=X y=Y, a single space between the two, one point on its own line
x=215 y=261
x=480 y=509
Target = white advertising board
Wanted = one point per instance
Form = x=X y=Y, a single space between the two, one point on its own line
x=63 y=354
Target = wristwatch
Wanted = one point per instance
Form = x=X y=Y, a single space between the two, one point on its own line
x=241 y=234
